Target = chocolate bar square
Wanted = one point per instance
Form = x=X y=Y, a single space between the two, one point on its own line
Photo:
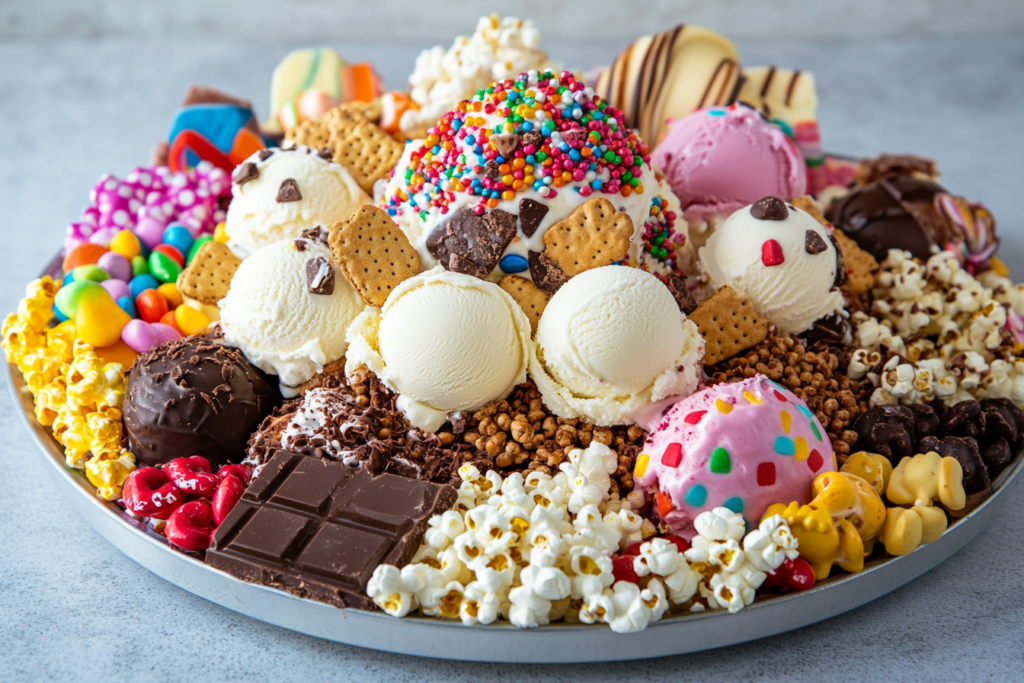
x=318 y=528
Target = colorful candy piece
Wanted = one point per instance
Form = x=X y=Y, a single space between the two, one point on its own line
x=168 y=250
x=126 y=244
x=140 y=266
x=189 y=320
x=141 y=283
x=717 y=448
x=91 y=272
x=151 y=305
x=116 y=288
x=98 y=319
x=116 y=266
x=169 y=290
x=218 y=133
x=191 y=526
x=219 y=234
x=168 y=320
x=127 y=305
x=178 y=236
x=141 y=336
x=118 y=352
x=163 y=267
x=192 y=475
x=150 y=230
x=149 y=492
x=83 y=255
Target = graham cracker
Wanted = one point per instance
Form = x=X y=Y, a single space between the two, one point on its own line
x=313 y=134
x=363 y=148
x=530 y=299
x=374 y=255
x=729 y=324
x=593 y=235
x=207 y=279
x=861 y=267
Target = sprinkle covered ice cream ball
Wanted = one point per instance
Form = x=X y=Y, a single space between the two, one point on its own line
x=536 y=147
x=742 y=446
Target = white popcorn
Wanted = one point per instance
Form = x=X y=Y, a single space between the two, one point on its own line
x=549 y=583
x=495 y=570
x=446 y=601
x=592 y=571
x=628 y=524
x=631 y=613
x=768 y=546
x=385 y=589
x=480 y=605
x=591 y=529
x=443 y=529
x=597 y=463
x=528 y=610
x=732 y=591
x=728 y=555
x=451 y=567
x=720 y=524
x=658 y=556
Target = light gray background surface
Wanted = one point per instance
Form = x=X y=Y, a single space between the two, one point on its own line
x=71 y=607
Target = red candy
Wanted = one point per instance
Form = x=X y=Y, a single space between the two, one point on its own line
x=151 y=305
x=191 y=526
x=228 y=493
x=241 y=472
x=622 y=569
x=795 y=575
x=771 y=253
x=149 y=492
x=192 y=476
x=172 y=252
x=679 y=542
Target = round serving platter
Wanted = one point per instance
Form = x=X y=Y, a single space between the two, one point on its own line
x=444 y=639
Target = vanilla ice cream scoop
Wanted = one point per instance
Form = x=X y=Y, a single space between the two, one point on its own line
x=610 y=343
x=287 y=310
x=780 y=257
x=279 y=194
x=444 y=342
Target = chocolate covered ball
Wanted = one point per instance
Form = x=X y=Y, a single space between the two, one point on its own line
x=888 y=431
x=194 y=396
x=893 y=213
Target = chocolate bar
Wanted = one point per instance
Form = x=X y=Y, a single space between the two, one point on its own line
x=319 y=528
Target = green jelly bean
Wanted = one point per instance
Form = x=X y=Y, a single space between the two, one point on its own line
x=94 y=273
x=196 y=246
x=163 y=267
x=139 y=266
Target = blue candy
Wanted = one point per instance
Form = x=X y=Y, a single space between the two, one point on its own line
x=128 y=306
x=141 y=283
x=58 y=315
x=513 y=263
x=178 y=236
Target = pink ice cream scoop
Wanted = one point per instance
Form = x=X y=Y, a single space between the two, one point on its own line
x=719 y=159
x=741 y=446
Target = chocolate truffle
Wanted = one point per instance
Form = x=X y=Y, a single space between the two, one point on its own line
x=194 y=397
x=888 y=431
x=893 y=213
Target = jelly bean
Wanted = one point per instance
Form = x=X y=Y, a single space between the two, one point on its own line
x=118 y=352
x=220 y=234
x=228 y=493
x=190 y=320
x=513 y=263
x=171 y=293
x=126 y=244
x=116 y=266
x=196 y=246
x=127 y=305
x=141 y=283
x=163 y=267
x=172 y=252
x=116 y=288
x=178 y=236
x=150 y=230
x=139 y=336
x=94 y=273
x=151 y=305
x=168 y=319
x=83 y=255
x=69 y=296
x=99 y=320
x=140 y=266
x=58 y=315
x=165 y=333
x=68 y=279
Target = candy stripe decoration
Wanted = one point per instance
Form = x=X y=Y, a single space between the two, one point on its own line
x=746 y=445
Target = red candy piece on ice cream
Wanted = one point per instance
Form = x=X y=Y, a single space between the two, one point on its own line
x=771 y=253
x=149 y=492
x=191 y=526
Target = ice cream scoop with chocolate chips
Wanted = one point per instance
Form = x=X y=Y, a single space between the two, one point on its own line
x=782 y=258
x=278 y=194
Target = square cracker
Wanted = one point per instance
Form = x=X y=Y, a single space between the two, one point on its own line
x=313 y=134
x=373 y=253
x=593 y=235
x=208 y=278
x=729 y=324
x=363 y=148
x=530 y=299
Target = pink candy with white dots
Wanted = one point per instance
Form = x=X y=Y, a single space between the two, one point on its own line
x=147 y=200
